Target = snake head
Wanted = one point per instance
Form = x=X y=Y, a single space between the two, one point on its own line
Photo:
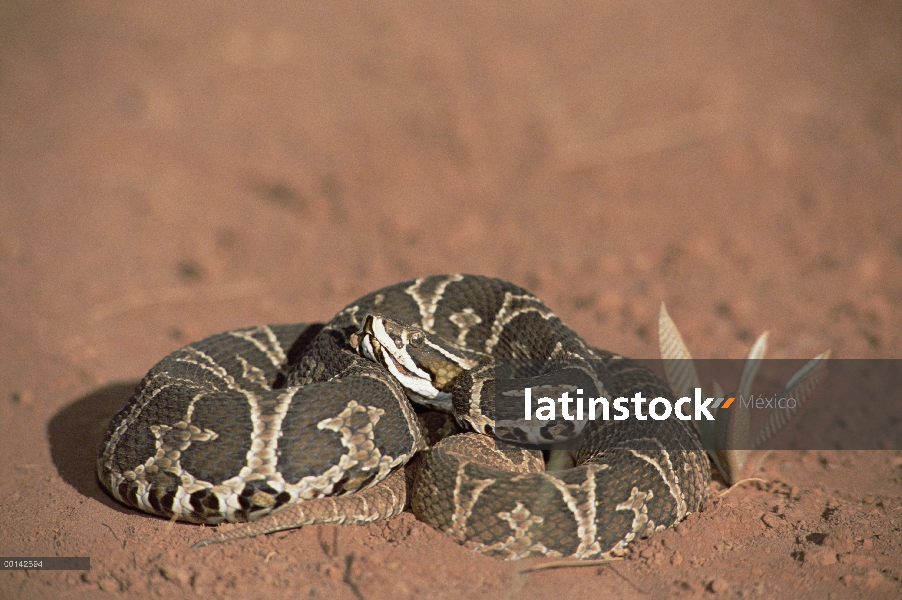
x=422 y=363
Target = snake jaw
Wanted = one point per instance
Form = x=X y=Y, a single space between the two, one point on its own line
x=366 y=347
x=386 y=342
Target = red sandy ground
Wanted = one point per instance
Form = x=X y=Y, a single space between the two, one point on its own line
x=171 y=170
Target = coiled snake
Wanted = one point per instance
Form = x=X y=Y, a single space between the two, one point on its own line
x=316 y=420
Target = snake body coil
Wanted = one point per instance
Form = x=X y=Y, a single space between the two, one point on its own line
x=289 y=417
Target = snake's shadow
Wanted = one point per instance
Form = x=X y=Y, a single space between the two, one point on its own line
x=76 y=432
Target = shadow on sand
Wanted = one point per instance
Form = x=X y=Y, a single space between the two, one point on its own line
x=76 y=432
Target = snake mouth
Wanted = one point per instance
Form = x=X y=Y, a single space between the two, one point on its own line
x=379 y=341
x=401 y=368
x=369 y=346
x=379 y=353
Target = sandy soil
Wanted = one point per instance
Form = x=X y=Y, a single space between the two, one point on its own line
x=168 y=172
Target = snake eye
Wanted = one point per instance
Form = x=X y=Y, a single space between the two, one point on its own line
x=416 y=339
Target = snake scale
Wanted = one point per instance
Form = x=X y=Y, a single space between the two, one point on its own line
x=317 y=420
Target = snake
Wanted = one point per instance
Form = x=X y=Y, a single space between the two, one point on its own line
x=393 y=404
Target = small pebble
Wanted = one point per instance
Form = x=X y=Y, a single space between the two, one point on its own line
x=178 y=575
x=771 y=520
x=857 y=560
x=873 y=578
x=333 y=572
x=841 y=541
x=718 y=586
x=821 y=556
